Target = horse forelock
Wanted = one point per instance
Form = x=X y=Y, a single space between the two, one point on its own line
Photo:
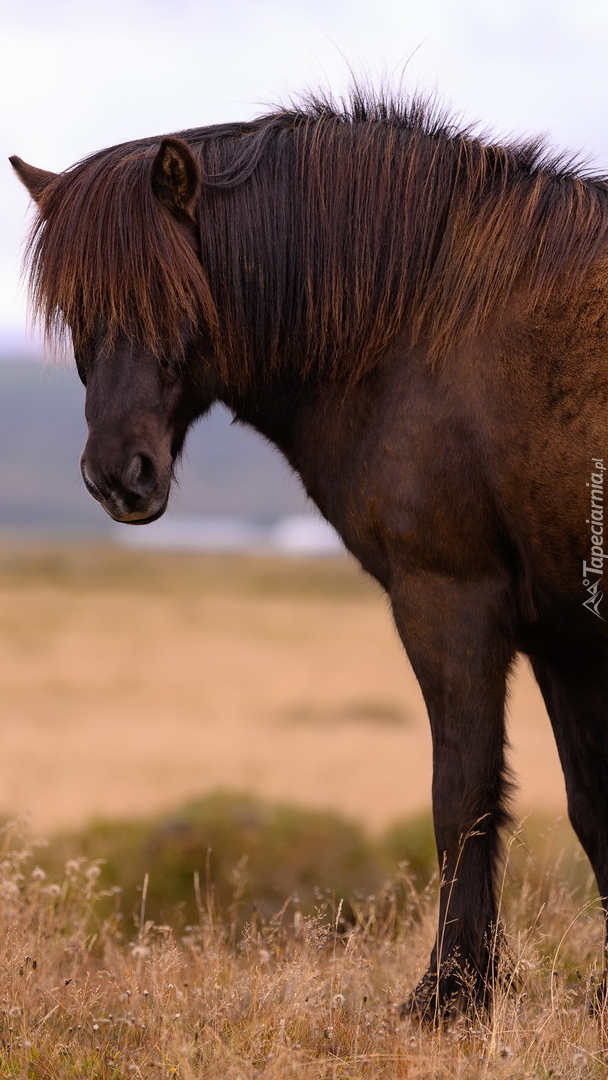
x=105 y=255
x=325 y=232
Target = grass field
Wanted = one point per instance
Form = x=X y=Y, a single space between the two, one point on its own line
x=132 y=681
x=134 y=684
x=294 y=997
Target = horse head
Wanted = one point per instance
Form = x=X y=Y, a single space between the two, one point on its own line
x=139 y=403
x=137 y=423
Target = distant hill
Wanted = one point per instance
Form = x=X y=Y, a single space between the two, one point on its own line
x=226 y=470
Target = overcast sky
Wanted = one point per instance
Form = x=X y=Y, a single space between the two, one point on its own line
x=76 y=76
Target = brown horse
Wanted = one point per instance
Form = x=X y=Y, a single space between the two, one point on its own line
x=417 y=319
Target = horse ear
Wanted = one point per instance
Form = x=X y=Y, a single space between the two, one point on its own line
x=175 y=178
x=34 y=179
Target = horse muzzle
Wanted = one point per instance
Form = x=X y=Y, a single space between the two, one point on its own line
x=135 y=494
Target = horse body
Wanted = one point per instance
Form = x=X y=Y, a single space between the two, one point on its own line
x=451 y=436
x=465 y=526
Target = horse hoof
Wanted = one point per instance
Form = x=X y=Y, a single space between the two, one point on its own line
x=438 y=999
x=429 y=1005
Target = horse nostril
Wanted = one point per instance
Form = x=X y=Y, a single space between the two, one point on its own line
x=139 y=476
x=90 y=485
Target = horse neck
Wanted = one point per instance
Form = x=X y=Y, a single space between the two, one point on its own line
x=272 y=409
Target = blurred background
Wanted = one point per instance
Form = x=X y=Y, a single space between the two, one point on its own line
x=144 y=666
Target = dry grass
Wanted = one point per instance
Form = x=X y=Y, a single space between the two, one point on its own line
x=131 y=682
x=289 y=998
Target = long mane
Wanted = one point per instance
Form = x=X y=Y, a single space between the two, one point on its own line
x=325 y=232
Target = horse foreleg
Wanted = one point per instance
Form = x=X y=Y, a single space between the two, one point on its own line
x=574 y=684
x=456 y=638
